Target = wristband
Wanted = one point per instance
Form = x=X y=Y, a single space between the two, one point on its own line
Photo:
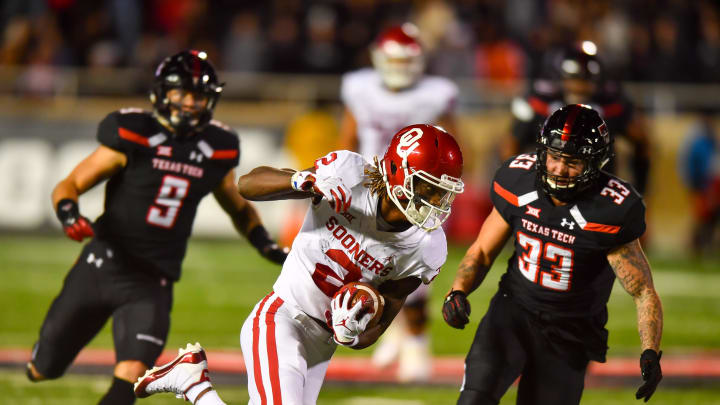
x=67 y=211
x=259 y=238
x=300 y=180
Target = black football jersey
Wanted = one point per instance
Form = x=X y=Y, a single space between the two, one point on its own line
x=560 y=261
x=544 y=97
x=150 y=205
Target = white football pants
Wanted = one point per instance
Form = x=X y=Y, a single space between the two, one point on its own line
x=286 y=354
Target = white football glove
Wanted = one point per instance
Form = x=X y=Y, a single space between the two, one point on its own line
x=331 y=188
x=346 y=326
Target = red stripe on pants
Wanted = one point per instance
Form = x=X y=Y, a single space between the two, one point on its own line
x=256 y=351
x=272 y=351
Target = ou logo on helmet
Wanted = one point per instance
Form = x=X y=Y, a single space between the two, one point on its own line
x=408 y=143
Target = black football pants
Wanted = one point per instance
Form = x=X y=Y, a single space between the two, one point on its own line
x=98 y=287
x=508 y=344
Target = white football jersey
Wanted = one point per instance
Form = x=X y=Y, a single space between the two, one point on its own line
x=334 y=249
x=380 y=113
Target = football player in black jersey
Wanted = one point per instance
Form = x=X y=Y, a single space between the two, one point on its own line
x=160 y=164
x=575 y=229
x=576 y=75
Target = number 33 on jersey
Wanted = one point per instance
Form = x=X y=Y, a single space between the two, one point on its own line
x=560 y=251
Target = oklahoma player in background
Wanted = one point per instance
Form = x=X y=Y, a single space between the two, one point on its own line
x=380 y=225
x=378 y=102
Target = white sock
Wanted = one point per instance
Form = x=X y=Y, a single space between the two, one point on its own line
x=195 y=390
x=210 y=398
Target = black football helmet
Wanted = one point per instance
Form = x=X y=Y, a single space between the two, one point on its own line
x=578 y=61
x=188 y=70
x=575 y=131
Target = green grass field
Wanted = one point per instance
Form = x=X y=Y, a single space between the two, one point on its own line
x=223 y=280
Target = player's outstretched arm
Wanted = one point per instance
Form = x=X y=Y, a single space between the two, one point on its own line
x=473 y=269
x=268 y=183
x=633 y=271
x=246 y=219
x=482 y=253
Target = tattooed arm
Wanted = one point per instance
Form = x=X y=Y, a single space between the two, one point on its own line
x=481 y=254
x=633 y=271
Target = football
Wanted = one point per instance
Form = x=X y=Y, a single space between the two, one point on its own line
x=373 y=301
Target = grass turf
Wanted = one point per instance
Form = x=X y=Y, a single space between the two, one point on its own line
x=222 y=281
x=83 y=389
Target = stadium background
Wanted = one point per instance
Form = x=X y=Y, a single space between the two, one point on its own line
x=64 y=64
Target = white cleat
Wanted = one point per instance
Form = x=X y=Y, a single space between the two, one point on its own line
x=188 y=369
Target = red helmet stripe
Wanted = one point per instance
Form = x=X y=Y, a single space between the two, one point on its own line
x=196 y=67
x=570 y=121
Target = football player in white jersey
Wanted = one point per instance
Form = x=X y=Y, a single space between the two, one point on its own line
x=378 y=102
x=377 y=223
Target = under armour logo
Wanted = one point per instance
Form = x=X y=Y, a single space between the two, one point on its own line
x=92 y=259
x=533 y=211
x=196 y=156
x=569 y=224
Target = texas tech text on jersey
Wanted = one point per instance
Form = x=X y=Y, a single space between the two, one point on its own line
x=559 y=264
x=150 y=205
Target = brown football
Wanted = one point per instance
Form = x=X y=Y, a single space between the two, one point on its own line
x=373 y=301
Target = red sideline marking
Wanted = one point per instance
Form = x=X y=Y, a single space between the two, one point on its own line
x=445 y=368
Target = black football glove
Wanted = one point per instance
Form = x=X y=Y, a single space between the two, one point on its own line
x=651 y=373
x=456 y=309
x=270 y=250
x=75 y=226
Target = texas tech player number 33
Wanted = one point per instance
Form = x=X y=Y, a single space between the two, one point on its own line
x=573 y=226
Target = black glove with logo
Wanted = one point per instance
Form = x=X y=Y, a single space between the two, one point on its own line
x=651 y=373
x=267 y=247
x=75 y=226
x=456 y=309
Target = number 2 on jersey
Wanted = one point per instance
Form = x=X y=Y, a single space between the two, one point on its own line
x=326 y=279
x=560 y=274
x=168 y=202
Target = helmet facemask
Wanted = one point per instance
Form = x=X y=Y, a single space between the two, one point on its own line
x=424 y=199
x=398 y=56
x=567 y=188
x=398 y=72
x=187 y=72
x=577 y=135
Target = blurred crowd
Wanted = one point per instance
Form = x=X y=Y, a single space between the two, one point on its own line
x=499 y=40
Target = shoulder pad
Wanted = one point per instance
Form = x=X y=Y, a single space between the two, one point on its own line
x=615 y=211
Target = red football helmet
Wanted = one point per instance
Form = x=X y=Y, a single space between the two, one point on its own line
x=423 y=154
x=397 y=55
